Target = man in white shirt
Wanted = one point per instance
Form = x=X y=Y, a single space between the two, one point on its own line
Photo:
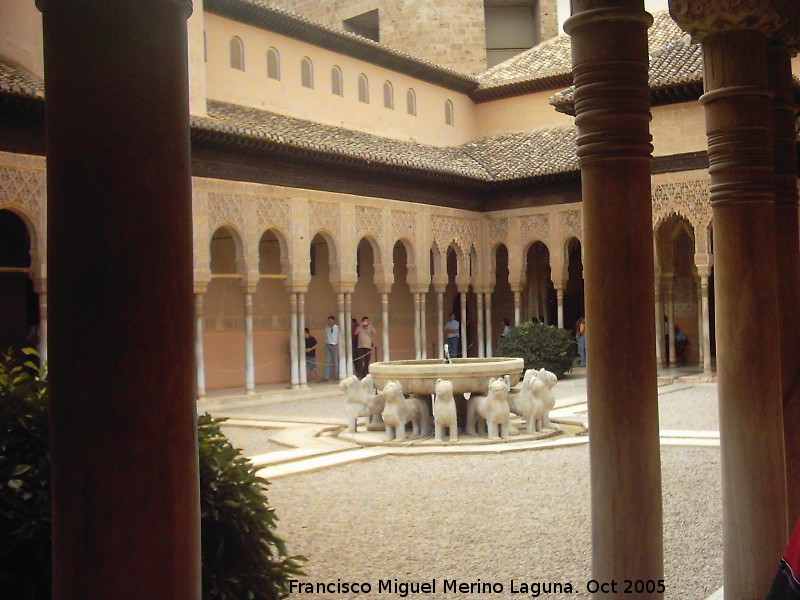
x=452 y=329
x=331 y=350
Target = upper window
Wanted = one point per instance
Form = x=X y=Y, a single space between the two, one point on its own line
x=237 y=53
x=449 y=119
x=411 y=102
x=307 y=73
x=337 y=85
x=509 y=30
x=273 y=64
x=388 y=95
x=363 y=89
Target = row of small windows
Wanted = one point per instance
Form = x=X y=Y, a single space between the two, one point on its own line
x=337 y=80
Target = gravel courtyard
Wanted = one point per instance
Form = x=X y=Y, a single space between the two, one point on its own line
x=521 y=516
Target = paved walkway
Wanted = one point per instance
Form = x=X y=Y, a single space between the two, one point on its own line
x=496 y=513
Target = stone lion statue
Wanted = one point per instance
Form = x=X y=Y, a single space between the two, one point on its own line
x=360 y=400
x=444 y=410
x=492 y=408
x=523 y=402
x=542 y=390
x=399 y=410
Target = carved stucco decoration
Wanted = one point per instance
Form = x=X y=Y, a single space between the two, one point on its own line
x=571 y=223
x=273 y=213
x=704 y=17
x=535 y=227
x=369 y=221
x=323 y=215
x=498 y=231
x=454 y=230
x=24 y=189
x=789 y=34
x=688 y=199
x=226 y=209
x=404 y=225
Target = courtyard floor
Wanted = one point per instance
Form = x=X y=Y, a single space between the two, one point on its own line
x=487 y=514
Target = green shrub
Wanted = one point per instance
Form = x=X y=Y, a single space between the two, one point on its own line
x=242 y=556
x=542 y=346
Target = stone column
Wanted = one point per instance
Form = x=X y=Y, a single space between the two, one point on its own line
x=489 y=337
x=659 y=322
x=41 y=290
x=348 y=317
x=517 y=308
x=739 y=126
x=705 y=332
x=385 y=322
x=294 y=349
x=301 y=338
x=417 y=352
x=788 y=277
x=440 y=322
x=481 y=352
x=249 y=361
x=669 y=289
x=464 y=342
x=344 y=328
x=612 y=106
x=423 y=326
x=560 y=299
x=198 y=345
x=123 y=435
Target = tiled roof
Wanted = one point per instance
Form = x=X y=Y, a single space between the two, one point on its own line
x=260 y=13
x=16 y=80
x=549 y=65
x=541 y=153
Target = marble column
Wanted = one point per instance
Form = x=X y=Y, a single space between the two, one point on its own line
x=123 y=439
x=517 y=307
x=705 y=332
x=481 y=352
x=43 y=320
x=613 y=147
x=739 y=126
x=560 y=299
x=200 y=364
x=344 y=332
x=294 y=348
x=489 y=337
x=669 y=289
x=440 y=322
x=659 y=303
x=423 y=326
x=464 y=342
x=417 y=352
x=347 y=330
x=249 y=361
x=787 y=236
x=301 y=338
x=385 y=322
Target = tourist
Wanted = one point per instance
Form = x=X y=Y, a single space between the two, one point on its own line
x=506 y=326
x=311 y=354
x=363 y=348
x=580 y=337
x=331 y=350
x=681 y=344
x=451 y=330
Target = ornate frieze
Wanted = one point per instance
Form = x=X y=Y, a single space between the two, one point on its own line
x=571 y=222
x=226 y=209
x=688 y=199
x=454 y=230
x=369 y=221
x=498 y=231
x=273 y=212
x=535 y=227
x=25 y=189
x=323 y=215
x=404 y=225
x=704 y=17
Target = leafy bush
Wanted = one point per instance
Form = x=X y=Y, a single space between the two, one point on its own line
x=242 y=556
x=542 y=346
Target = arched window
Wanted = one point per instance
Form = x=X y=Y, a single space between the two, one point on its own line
x=411 y=102
x=337 y=85
x=449 y=119
x=307 y=73
x=237 y=53
x=388 y=95
x=363 y=89
x=273 y=64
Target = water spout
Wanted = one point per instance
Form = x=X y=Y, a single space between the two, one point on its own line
x=447 y=359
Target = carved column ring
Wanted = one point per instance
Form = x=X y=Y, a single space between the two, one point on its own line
x=588 y=15
x=737 y=90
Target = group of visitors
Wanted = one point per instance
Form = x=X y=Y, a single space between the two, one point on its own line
x=363 y=345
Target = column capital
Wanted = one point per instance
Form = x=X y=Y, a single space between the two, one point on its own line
x=702 y=18
x=419 y=289
x=463 y=288
x=342 y=288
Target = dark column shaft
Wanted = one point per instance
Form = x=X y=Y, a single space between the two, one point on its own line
x=123 y=438
x=609 y=56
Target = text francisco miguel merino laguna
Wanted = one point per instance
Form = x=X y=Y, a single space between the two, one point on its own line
x=403 y=589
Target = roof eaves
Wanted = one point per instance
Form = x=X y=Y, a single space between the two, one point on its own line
x=518 y=88
x=258 y=14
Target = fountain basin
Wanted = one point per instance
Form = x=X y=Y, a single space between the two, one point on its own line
x=468 y=375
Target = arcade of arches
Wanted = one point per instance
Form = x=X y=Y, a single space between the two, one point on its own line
x=258 y=278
